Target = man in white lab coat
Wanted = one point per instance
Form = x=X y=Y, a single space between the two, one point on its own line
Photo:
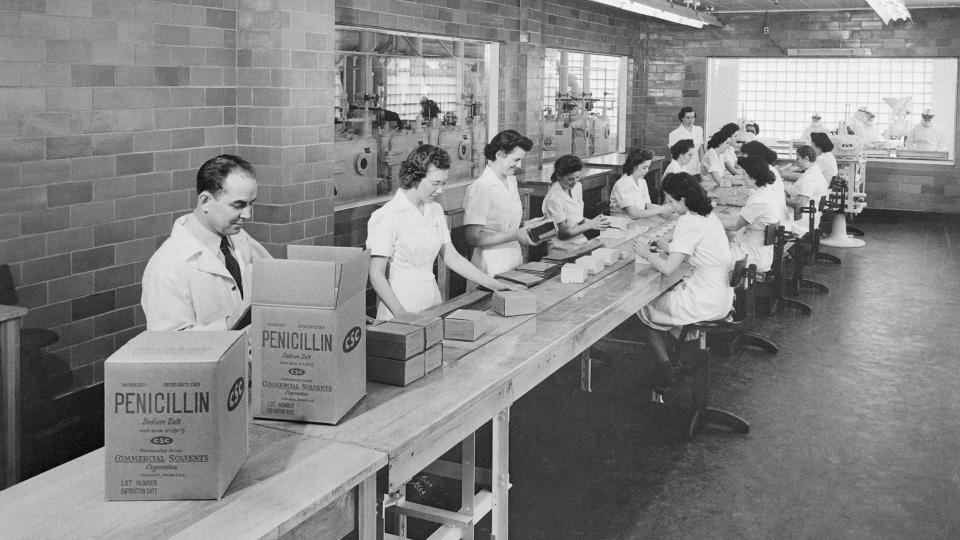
x=686 y=130
x=200 y=277
x=925 y=135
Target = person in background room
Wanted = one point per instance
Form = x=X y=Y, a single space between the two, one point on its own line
x=925 y=135
x=816 y=126
x=764 y=207
x=825 y=158
x=700 y=240
x=199 y=278
x=630 y=196
x=563 y=204
x=686 y=130
x=811 y=186
x=492 y=209
x=408 y=232
x=752 y=129
x=682 y=152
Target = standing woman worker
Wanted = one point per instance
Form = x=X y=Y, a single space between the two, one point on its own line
x=563 y=204
x=630 y=196
x=408 y=232
x=492 y=209
x=699 y=239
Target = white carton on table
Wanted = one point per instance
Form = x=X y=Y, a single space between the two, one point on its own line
x=307 y=329
x=591 y=263
x=607 y=255
x=175 y=415
x=573 y=273
x=612 y=233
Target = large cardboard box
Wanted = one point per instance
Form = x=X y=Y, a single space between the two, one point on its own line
x=510 y=303
x=309 y=348
x=394 y=340
x=431 y=324
x=175 y=415
x=465 y=325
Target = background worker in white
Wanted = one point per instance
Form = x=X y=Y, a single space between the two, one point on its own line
x=682 y=152
x=816 y=126
x=563 y=204
x=825 y=158
x=630 y=196
x=686 y=130
x=764 y=207
x=757 y=148
x=811 y=186
x=200 y=277
x=925 y=135
x=492 y=209
x=408 y=232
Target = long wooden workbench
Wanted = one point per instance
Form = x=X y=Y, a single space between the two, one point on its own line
x=309 y=477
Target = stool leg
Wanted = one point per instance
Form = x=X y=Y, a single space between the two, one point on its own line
x=702 y=414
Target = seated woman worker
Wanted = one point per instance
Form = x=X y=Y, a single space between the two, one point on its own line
x=563 y=204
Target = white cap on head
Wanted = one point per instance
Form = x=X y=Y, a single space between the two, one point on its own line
x=928 y=113
x=815 y=116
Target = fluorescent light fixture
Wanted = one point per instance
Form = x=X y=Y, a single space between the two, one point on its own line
x=668 y=12
x=890 y=10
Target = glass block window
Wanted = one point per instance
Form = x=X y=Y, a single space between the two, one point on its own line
x=595 y=73
x=782 y=93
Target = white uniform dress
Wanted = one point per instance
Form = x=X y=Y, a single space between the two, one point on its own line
x=762 y=208
x=713 y=163
x=828 y=165
x=786 y=212
x=696 y=135
x=926 y=138
x=564 y=208
x=811 y=184
x=673 y=167
x=812 y=128
x=495 y=205
x=186 y=285
x=629 y=192
x=704 y=295
x=410 y=241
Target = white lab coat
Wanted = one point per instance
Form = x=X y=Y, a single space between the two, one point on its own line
x=411 y=241
x=495 y=206
x=926 y=138
x=629 y=192
x=564 y=208
x=813 y=185
x=187 y=287
x=764 y=207
x=696 y=135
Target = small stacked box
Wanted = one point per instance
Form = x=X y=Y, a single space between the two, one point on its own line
x=399 y=353
x=465 y=325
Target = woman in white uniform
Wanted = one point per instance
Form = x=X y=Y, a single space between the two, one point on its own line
x=630 y=196
x=492 y=209
x=699 y=239
x=408 y=232
x=825 y=158
x=712 y=166
x=563 y=204
x=682 y=152
x=730 y=154
x=762 y=208
x=758 y=149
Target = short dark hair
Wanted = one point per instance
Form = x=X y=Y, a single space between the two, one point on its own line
x=808 y=152
x=414 y=168
x=717 y=139
x=755 y=125
x=757 y=168
x=564 y=165
x=635 y=158
x=506 y=141
x=757 y=148
x=213 y=171
x=684 y=186
x=822 y=141
x=681 y=147
x=730 y=128
x=684 y=110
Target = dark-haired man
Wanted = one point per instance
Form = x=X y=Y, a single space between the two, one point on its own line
x=199 y=279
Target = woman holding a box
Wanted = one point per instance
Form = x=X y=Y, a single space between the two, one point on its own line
x=700 y=240
x=563 y=204
x=408 y=232
x=630 y=196
x=492 y=208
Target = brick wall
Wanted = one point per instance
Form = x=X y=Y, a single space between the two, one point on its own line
x=107 y=108
x=676 y=64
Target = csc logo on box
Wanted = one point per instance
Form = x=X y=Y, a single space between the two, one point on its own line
x=235 y=394
x=352 y=339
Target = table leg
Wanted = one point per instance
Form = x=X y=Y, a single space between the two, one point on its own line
x=10 y=400
x=468 y=480
x=501 y=475
x=367 y=509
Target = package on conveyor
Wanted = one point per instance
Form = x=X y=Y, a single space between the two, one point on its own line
x=175 y=415
x=307 y=331
x=510 y=303
x=397 y=352
x=573 y=273
x=593 y=264
x=465 y=325
x=607 y=255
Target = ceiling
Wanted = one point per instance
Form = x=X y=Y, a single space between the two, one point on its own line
x=735 y=6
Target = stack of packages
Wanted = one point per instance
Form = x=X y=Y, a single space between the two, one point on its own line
x=594 y=263
x=404 y=349
x=531 y=273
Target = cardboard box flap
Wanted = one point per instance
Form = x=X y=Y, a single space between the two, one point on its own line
x=353 y=265
x=294 y=283
x=153 y=346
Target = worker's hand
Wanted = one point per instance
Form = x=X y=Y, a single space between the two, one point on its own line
x=524 y=237
x=641 y=246
x=599 y=223
x=497 y=285
x=663 y=244
x=664 y=211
